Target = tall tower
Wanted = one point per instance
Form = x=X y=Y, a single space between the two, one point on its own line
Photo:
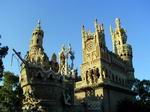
x=93 y=47
x=120 y=46
x=119 y=41
x=43 y=86
x=36 y=52
x=105 y=75
x=37 y=37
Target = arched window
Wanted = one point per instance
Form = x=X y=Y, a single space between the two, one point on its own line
x=86 y=76
x=91 y=75
x=37 y=41
x=97 y=72
x=39 y=76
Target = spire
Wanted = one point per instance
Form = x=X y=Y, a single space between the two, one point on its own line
x=54 y=57
x=118 y=24
x=83 y=28
x=96 y=22
x=102 y=27
x=39 y=24
x=36 y=51
x=96 y=25
x=38 y=29
x=37 y=36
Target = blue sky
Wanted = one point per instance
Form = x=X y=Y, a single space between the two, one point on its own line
x=61 y=21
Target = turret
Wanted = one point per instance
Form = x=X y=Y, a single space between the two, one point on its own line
x=37 y=37
x=53 y=63
x=93 y=41
x=119 y=42
x=36 y=53
x=99 y=33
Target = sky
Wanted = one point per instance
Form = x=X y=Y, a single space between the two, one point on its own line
x=62 y=20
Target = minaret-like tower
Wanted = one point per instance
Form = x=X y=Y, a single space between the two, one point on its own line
x=44 y=87
x=119 y=41
x=120 y=46
x=93 y=41
x=105 y=75
x=93 y=48
x=37 y=37
x=36 y=52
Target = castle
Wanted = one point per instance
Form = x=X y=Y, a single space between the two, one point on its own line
x=106 y=77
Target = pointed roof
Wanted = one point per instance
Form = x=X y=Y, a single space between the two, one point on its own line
x=38 y=28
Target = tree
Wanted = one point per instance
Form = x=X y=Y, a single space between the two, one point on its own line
x=3 y=53
x=10 y=93
x=142 y=99
x=143 y=90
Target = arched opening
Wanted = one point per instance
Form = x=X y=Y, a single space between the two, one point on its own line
x=91 y=75
x=39 y=76
x=97 y=72
x=37 y=41
x=86 y=77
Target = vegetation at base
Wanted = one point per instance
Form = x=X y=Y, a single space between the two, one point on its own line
x=141 y=103
x=3 y=53
x=10 y=93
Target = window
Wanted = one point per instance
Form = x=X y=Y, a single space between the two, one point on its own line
x=37 y=41
x=97 y=72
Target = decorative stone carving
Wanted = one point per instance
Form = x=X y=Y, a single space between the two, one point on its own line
x=53 y=63
x=31 y=103
x=64 y=54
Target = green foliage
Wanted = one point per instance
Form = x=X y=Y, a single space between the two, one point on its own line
x=10 y=94
x=3 y=53
x=142 y=99
x=143 y=90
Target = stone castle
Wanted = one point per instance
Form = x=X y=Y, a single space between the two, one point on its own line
x=105 y=79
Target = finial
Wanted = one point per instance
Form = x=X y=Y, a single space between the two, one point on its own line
x=96 y=20
x=117 y=23
x=39 y=24
x=102 y=27
x=82 y=27
x=63 y=47
x=70 y=48
x=97 y=27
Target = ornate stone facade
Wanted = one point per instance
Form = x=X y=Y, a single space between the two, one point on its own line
x=105 y=74
x=45 y=87
x=106 y=77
